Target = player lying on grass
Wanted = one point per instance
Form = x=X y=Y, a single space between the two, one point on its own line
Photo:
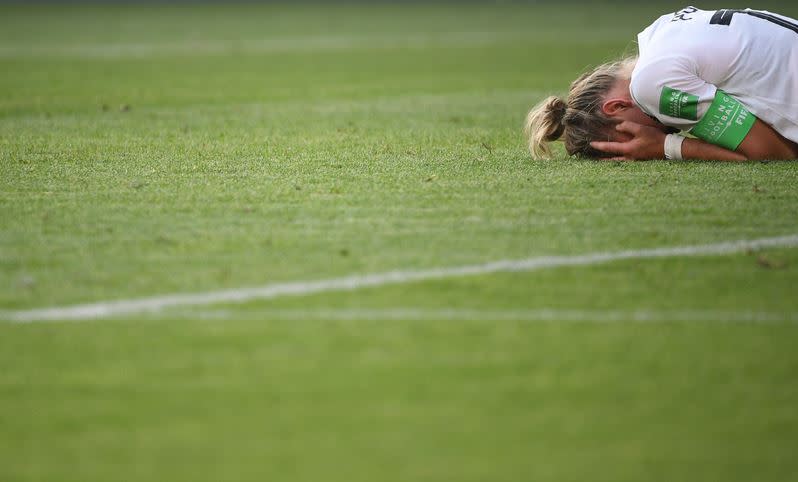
x=729 y=78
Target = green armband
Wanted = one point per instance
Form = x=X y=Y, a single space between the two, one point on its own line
x=726 y=123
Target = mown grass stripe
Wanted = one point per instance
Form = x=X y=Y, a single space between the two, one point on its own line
x=469 y=314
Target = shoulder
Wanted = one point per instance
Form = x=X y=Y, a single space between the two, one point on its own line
x=651 y=76
x=672 y=90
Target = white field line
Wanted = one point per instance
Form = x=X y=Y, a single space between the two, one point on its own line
x=106 y=309
x=467 y=314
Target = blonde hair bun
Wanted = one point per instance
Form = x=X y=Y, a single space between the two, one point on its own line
x=544 y=124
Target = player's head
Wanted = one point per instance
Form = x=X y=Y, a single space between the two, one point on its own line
x=583 y=117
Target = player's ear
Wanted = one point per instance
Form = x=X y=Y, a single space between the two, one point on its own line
x=613 y=107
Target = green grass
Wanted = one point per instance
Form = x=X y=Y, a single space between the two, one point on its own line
x=150 y=150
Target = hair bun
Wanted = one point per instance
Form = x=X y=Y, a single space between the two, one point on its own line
x=544 y=124
x=555 y=108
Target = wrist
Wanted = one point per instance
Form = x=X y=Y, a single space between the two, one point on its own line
x=673 y=146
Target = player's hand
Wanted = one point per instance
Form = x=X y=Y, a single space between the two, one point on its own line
x=644 y=143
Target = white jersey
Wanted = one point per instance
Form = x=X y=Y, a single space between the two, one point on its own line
x=707 y=71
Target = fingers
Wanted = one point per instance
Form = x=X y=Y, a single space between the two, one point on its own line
x=629 y=127
x=610 y=147
x=623 y=148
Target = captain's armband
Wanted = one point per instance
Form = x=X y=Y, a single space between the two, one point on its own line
x=726 y=123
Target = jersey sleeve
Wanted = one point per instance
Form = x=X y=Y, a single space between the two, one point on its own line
x=671 y=91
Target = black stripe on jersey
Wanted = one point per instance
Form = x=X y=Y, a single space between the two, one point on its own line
x=721 y=17
x=724 y=17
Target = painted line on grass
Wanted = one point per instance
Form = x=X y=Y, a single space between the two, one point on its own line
x=105 y=309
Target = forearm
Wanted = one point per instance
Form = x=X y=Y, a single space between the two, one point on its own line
x=761 y=142
x=699 y=150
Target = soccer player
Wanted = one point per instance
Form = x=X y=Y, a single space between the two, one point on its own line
x=729 y=78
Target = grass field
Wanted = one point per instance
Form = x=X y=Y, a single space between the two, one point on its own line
x=157 y=150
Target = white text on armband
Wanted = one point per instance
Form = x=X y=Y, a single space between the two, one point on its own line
x=726 y=123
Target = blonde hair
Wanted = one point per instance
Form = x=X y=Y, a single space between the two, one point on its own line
x=580 y=119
